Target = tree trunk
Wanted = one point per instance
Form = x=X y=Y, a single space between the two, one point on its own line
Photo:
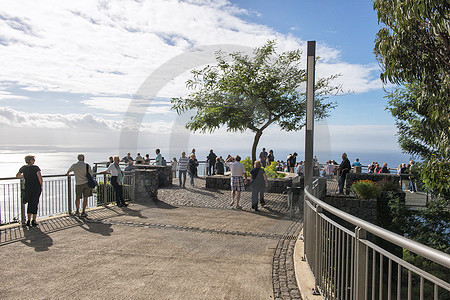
x=255 y=145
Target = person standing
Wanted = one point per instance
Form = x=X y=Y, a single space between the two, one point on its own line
x=237 y=183
x=292 y=162
x=220 y=169
x=33 y=187
x=344 y=168
x=270 y=157
x=111 y=161
x=82 y=189
x=139 y=159
x=258 y=183
x=147 y=159
x=263 y=157
x=357 y=166
x=192 y=168
x=174 y=165
x=385 y=169
x=182 y=168
x=117 y=181
x=211 y=162
x=158 y=158
x=412 y=180
x=127 y=158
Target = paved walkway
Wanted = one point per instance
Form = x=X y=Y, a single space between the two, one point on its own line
x=190 y=245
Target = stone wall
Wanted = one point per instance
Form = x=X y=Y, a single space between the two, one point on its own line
x=279 y=185
x=164 y=173
x=365 y=209
x=353 y=177
x=145 y=185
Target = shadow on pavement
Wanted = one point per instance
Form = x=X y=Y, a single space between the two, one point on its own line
x=97 y=227
x=34 y=237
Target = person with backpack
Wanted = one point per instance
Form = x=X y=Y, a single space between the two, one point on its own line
x=82 y=189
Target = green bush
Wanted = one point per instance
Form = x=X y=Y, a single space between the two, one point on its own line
x=270 y=170
x=366 y=189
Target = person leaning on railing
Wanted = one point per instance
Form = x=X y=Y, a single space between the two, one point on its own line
x=116 y=180
x=82 y=189
x=33 y=187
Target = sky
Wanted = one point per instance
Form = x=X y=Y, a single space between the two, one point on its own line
x=98 y=74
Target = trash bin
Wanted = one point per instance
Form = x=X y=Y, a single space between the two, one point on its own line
x=293 y=196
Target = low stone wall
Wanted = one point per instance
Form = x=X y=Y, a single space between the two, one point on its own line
x=164 y=173
x=279 y=185
x=365 y=209
x=145 y=185
x=354 y=177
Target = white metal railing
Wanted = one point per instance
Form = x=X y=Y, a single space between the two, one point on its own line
x=347 y=265
x=58 y=196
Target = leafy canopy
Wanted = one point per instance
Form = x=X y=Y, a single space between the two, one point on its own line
x=414 y=51
x=251 y=92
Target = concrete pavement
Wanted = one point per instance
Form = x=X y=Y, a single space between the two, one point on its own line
x=151 y=252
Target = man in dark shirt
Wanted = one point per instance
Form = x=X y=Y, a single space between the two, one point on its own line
x=211 y=162
x=344 y=168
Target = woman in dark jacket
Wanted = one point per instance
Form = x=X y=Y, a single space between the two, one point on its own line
x=33 y=187
x=220 y=169
x=258 y=183
x=192 y=167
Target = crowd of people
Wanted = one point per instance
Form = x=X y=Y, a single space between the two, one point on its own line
x=188 y=165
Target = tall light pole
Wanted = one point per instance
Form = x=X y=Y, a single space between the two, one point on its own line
x=309 y=133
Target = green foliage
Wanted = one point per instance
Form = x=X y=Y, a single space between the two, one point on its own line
x=247 y=162
x=428 y=226
x=414 y=50
x=252 y=92
x=271 y=171
x=366 y=189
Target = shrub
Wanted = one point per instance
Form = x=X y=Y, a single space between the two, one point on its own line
x=271 y=171
x=366 y=189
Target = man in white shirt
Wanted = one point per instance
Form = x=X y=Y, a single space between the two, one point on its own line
x=237 y=183
x=82 y=188
x=182 y=168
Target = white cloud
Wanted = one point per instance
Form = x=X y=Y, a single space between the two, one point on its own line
x=110 y=48
x=10 y=96
x=123 y=105
x=87 y=122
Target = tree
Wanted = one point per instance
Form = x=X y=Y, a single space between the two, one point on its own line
x=253 y=92
x=414 y=51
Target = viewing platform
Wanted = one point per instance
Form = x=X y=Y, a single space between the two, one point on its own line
x=188 y=245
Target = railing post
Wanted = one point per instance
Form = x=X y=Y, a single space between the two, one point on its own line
x=22 y=205
x=69 y=195
x=360 y=291
x=318 y=242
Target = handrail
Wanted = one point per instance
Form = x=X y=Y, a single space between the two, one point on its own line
x=423 y=250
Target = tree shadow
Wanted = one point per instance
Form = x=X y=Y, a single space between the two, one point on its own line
x=34 y=237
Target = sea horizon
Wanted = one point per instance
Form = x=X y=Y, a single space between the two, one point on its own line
x=56 y=160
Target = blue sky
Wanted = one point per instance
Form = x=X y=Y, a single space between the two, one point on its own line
x=72 y=72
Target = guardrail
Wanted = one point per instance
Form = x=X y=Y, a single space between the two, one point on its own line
x=347 y=265
x=58 y=196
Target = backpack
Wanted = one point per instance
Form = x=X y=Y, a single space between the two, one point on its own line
x=92 y=183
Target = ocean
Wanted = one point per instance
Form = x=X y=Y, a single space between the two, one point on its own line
x=58 y=160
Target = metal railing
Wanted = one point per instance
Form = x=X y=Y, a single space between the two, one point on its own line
x=57 y=197
x=346 y=264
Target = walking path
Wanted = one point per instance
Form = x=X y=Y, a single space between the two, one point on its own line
x=189 y=245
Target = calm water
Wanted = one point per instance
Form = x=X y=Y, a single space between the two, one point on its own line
x=58 y=161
